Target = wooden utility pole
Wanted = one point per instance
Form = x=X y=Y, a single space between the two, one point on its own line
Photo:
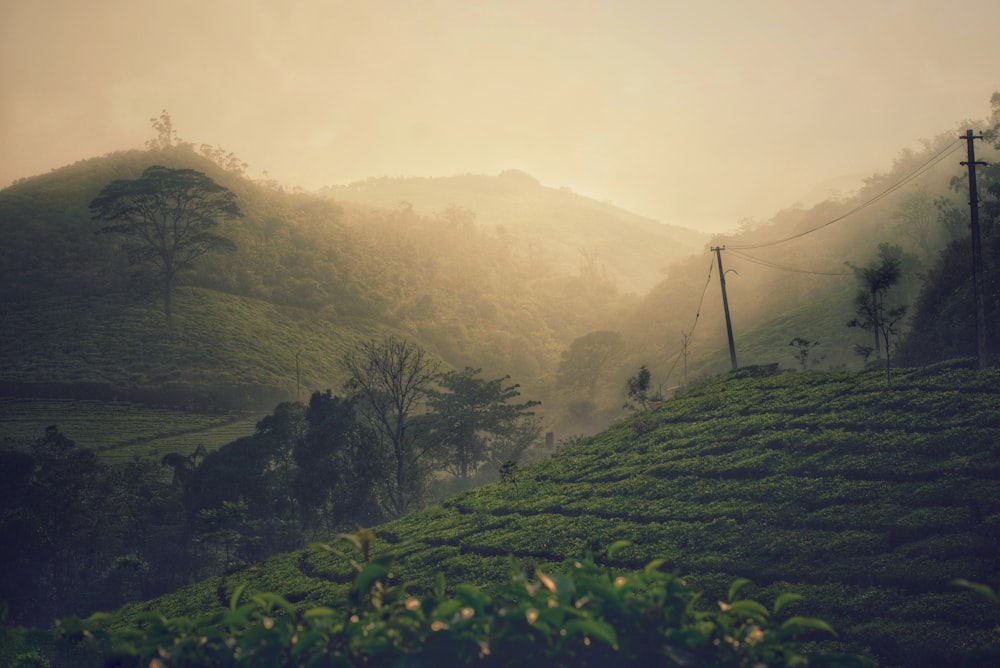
x=725 y=305
x=298 y=378
x=977 y=252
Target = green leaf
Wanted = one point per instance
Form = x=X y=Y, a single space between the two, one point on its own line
x=368 y=576
x=785 y=599
x=979 y=588
x=321 y=611
x=797 y=625
x=654 y=566
x=439 y=585
x=747 y=608
x=237 y=593
x=269 y=601
x=617 y=547
x=594 y=628
x=98 y=618
x=306 y=641
x=734 y=588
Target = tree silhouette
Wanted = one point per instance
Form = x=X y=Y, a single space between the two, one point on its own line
x=167 y=217
x=391 y=382
x=872 y=314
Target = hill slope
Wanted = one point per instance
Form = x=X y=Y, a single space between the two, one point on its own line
x=568 y=228
x=867 y=501
x=309 y=275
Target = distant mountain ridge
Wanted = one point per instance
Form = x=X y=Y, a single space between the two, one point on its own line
x=576 y=229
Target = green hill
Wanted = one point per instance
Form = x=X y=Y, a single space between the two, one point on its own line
x=562 y=227
x=867 y=501
x=506 y=290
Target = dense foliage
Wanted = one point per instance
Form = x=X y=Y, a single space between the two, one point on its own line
x=582 y=614
x=80 y=534
x=305 y=472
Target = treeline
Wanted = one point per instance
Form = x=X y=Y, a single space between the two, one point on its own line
x=83 y=535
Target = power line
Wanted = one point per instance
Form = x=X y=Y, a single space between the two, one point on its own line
x=774 y=265
x=701 y=301
x=919 y=171
x=697 y=314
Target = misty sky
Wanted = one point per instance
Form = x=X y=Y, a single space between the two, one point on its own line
x=694 y=113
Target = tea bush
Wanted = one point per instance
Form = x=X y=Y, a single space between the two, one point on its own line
x=583 y=614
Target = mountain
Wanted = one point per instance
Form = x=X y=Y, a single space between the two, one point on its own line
x=570 y=229
x=867 y=502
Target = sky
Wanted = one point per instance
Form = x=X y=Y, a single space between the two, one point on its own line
x=702 y=114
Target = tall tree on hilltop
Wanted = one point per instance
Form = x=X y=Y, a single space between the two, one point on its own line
x=167 y=217
x=166 y=136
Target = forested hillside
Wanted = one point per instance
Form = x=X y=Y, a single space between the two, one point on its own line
x=308 y=276
x=562 y=228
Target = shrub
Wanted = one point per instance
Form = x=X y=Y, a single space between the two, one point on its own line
x=585 y=615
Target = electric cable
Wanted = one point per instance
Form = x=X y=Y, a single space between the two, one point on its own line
x=774 y=265
x=919 y=171
x=697 y=314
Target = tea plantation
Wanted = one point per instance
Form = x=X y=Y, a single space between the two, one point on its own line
x=110 y=428
x=868 y=501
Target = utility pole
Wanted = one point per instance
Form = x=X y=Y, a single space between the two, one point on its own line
x=298 y=378
x=725 y=305
x=977 y=251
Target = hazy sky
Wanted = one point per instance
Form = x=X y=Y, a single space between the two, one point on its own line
x=694 y=113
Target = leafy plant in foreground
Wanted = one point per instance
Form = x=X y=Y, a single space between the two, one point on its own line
x=586 y=615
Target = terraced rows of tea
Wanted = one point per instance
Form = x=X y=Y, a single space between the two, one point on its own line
x=867 y=501
x=121 y=431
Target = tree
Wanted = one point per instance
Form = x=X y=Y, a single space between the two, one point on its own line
x=284 y=428
x=228 y=528
x=168 y=217
x=166 y=136
x=340 y=468
x=587 y=359
x=918 y=217
x=391 y=381
x=474 y=421
x=637 y=388
x=66 y=520
x=872 y=313
x=802 y=348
